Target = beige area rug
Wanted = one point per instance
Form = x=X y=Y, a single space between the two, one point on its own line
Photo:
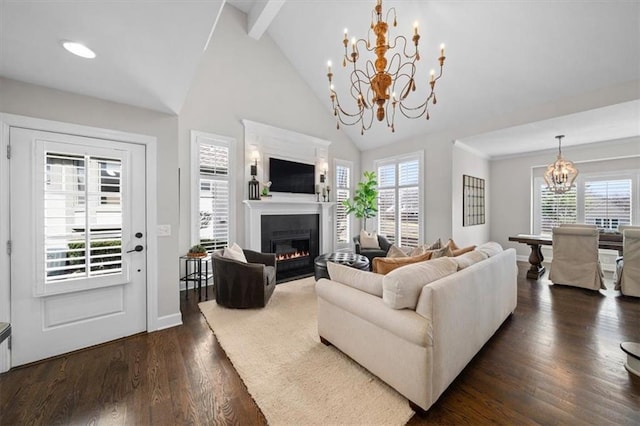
x=293 y=377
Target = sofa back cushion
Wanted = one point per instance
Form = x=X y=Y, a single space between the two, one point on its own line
x=362 y=280
x=384 y=265
x=402 y=287
x=490 y=249
x=467 y=259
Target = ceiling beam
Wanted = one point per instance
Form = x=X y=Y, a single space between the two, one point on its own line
x=261 y=15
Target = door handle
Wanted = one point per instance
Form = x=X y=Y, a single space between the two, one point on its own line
x=136 y=248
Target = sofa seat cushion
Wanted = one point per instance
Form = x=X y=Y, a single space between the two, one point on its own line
x=402 y=287
x=384 y=265
x=406 y=324
x=361 y=280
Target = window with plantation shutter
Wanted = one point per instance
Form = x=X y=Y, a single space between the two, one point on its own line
x=82 y=216
x=607 y=203
x=399 y=200
x=602 y=199
x=343 y=192
x=556 y=209
x=214 y=194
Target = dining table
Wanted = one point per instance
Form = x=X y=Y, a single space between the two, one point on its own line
x=606 y=240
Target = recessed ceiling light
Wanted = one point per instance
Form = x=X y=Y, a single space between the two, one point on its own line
x=79 y=49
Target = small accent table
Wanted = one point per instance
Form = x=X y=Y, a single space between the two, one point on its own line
x=632 y=350
x=197 y=271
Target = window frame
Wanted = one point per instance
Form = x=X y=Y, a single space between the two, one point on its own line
x=349 y=165
x=581 y=180
x=395 y=161
x=199 y=138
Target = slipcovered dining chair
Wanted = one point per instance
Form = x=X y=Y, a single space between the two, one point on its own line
x=575 y=258
x=628 y=268
x=244 y=285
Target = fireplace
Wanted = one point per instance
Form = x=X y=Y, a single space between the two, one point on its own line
x=295 y=241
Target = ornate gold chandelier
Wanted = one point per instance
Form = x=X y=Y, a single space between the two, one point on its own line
x=383 y=84
x=560 y=174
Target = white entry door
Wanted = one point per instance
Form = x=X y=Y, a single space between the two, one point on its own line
x=78 y=237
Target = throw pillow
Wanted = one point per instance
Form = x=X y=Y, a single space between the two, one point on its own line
x=452 y=244
x=384 y=265
x=369 y=240
x=235 y=252
x=401 y=288
x=362 y=280
x=443 y=252
x=490 y=249
x=467 y=259
x=437 y=244
x=463 y=250
x=395 y=251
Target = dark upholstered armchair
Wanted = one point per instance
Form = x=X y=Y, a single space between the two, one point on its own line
x=370 y=253
x=244 y=285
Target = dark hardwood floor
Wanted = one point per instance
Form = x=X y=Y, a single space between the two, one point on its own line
x=555 y=361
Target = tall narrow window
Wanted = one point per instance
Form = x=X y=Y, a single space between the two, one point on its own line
x=399 y=200
x=343 y=192
x=214 y=192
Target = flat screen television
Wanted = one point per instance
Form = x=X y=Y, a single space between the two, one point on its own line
x=290 y=176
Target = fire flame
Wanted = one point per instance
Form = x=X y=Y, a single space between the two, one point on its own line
x=295 y=255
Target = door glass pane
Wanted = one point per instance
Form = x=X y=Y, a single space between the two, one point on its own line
x=82 y=206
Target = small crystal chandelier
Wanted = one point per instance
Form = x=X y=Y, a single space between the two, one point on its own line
x=560 y=174
x=383 y=83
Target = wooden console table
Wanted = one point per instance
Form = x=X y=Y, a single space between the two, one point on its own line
x=606 y=241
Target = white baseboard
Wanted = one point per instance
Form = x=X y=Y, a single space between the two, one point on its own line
x=168 y=321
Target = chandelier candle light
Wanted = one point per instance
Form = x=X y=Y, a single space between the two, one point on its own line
x=383 y=83
x=561 y=174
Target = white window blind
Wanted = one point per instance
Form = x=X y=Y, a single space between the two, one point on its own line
x=399 y=200
x=82 y=208
x=343 y=192
x=214 y=162
x=556 y=209
x=607 y=203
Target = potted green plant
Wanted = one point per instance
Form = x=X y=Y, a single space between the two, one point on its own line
x=365 y=199
x=197 y=251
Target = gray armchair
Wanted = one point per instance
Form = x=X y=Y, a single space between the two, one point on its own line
x=244 y=285
x=370 y=253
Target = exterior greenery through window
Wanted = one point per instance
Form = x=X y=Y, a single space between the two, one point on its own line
x=399 y=200
x=604 y=201
x=214 y=184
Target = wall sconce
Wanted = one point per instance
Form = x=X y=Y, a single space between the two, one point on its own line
x=254 y=168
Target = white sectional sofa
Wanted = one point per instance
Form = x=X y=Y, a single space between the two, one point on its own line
x=417 y=327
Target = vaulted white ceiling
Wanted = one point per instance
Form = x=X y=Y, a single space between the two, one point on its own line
x=549 y=67
x=147 y=51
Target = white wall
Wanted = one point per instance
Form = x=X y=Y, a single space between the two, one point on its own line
x=437 y=179
x=241 y=78
x=510 y=183
x=466 y=162
x=39 y=102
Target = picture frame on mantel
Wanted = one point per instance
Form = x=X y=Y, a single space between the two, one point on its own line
x=473 y=201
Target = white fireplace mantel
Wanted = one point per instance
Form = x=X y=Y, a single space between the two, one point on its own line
x=256 y=209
